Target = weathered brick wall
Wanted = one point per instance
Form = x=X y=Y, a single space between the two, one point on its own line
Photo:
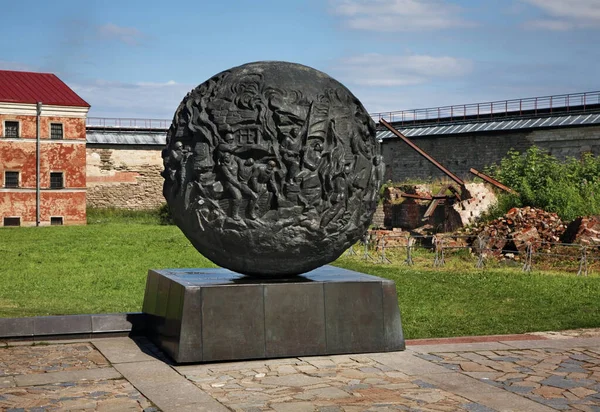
x=124 y=177
x=459 y=153
x=379 y=217
x=65 y=155
x=73 y=128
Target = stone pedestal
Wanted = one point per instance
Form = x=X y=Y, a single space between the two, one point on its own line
x=204 y=315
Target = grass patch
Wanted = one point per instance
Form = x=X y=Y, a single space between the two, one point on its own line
x=99 y=268
x=452 y=302
x=102 y=267
x=123 y=216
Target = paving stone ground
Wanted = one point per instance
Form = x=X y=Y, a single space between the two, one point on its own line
x=559 y=378
x=49 y=358
x=334 y=384
x=64 y=377
x=542 y=372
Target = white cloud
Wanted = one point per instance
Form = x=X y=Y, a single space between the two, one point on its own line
x=137 y=100
x=399 y=15
x=566 y=14
x=380 y=70
x=127 y=35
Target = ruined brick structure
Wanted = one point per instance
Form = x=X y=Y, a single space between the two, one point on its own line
x=62 y=135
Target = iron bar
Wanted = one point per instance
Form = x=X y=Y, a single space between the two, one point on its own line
x=418 y=197
x=491 y=181
x=423 y=153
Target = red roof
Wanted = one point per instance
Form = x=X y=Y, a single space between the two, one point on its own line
x=28 y=87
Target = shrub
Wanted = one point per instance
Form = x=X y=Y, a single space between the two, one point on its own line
x=570 y=188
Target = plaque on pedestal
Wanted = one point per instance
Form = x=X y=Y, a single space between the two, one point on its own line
x=203 y=315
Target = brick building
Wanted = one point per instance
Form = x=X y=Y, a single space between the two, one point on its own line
x=41 y=114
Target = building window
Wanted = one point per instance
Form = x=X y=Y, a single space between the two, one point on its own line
x=56 y=180
x=11 y=179
x=11 y=129
x=56 y=220
x=56 y=131
x=12 y=221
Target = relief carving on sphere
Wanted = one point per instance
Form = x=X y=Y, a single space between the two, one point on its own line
x=242 y=154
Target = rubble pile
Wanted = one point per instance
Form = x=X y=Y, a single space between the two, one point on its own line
x=583 y=230
x=516 y=229
x=393 y=238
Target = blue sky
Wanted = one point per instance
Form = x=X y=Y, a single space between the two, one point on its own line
x=139 y=58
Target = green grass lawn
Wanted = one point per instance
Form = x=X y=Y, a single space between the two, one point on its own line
x=97 y=268
x=102 y=267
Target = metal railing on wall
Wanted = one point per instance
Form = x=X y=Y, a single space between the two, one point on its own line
x=563 y=103
x=534 y=254
x=127 y=123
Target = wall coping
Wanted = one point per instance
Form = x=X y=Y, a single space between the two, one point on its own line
x=70 y=326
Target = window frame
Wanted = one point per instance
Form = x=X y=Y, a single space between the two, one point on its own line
x=62 y=131
x=18 y=122
x=11 y=217
x=56 y=219
x=18 y=179
x=62 y=176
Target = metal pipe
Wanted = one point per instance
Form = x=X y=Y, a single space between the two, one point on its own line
x=423 y=153
x=492 y=181
x=37 y=164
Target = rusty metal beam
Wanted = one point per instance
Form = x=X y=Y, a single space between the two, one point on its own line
x=422 y=153
x=436 y=201
x=492 y=181
x=439 y=197
x=413 y=196
x=457 y=192
x=432 y=206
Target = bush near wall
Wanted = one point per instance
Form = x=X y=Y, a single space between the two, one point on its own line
x=570 y=188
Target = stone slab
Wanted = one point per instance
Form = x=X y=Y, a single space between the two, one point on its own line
x=408 y=363
x=204 y=315
x=121 y=350
x=461 y=347
x=353 y=318
x=13 y=327
x=66 y=376
x=233 y=323
x=72 y=326
x=167 y=389
x=57 y=325
x=117 y=322
x=289 y=311
x=555 y=343
x=483 y=393
x=7 y=382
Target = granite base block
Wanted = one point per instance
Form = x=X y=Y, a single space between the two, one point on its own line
x=205 y=315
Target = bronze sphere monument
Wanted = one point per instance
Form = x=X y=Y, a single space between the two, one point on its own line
x=272 y=169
